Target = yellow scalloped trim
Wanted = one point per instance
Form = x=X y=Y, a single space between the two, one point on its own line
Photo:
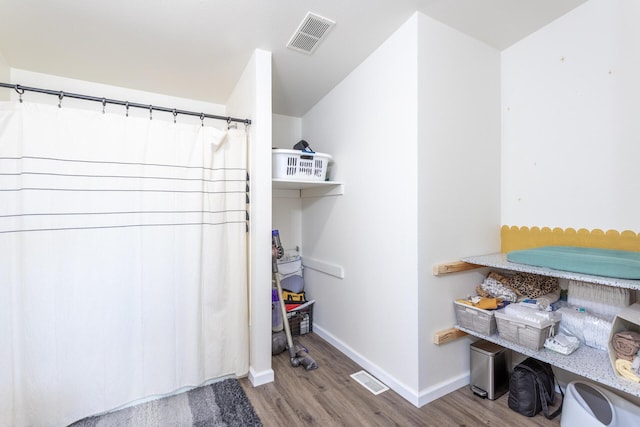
x=515 y=238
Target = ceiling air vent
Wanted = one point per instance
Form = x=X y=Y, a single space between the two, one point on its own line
x=310 y=33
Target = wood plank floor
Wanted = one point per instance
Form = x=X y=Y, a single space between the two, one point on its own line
x=328 y=396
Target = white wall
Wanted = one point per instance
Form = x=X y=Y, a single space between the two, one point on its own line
x=368 y=124
x=252 y=98
x=571 y=132
x=570 y=127
x=287 y=131
x=459 y=182
x=415 y=135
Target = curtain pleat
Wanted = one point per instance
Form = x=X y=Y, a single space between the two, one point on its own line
x=122 y=260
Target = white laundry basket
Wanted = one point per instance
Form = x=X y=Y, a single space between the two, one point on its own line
x=299 y=165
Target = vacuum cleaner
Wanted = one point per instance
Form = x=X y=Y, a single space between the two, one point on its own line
x=298 y=355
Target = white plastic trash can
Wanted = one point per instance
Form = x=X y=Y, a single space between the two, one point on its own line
x=587 y=405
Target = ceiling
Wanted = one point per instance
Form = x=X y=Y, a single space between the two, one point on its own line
x=198 y=48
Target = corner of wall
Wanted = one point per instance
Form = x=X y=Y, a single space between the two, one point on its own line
x=251 y=98
x=260 y=378
x=459 y=110
x=367 y=122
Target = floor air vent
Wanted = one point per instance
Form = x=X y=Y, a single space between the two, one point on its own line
x=310 y=33
x=370 y=383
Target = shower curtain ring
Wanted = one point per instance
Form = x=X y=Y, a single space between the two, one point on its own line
x=104 y=103
x=175 y=114
x=127 y=106
x=60 y=96
x=150 y=112
x=20 y=92
x=202 y=119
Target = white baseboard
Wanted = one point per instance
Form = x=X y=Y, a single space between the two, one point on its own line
x=260 y=378
x=417 y=399
x=439 y=390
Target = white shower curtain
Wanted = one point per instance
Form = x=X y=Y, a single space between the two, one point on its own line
x=122 y=260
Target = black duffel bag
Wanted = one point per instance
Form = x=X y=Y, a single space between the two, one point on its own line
x=532 y=389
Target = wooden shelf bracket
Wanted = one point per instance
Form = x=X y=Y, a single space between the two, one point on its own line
x=453 y=267
x=448 y=335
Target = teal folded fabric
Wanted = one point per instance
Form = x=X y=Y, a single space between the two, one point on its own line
x=595 y=261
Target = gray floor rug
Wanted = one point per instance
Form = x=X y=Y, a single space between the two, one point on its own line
x=220 y=404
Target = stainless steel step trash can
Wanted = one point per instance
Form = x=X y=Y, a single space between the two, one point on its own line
x=489 y=369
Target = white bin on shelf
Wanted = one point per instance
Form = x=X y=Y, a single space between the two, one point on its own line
x=299 y=165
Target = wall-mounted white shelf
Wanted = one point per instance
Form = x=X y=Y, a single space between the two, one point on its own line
x=310 y=188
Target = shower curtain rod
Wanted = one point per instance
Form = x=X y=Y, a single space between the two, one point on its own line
x=60 y=94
